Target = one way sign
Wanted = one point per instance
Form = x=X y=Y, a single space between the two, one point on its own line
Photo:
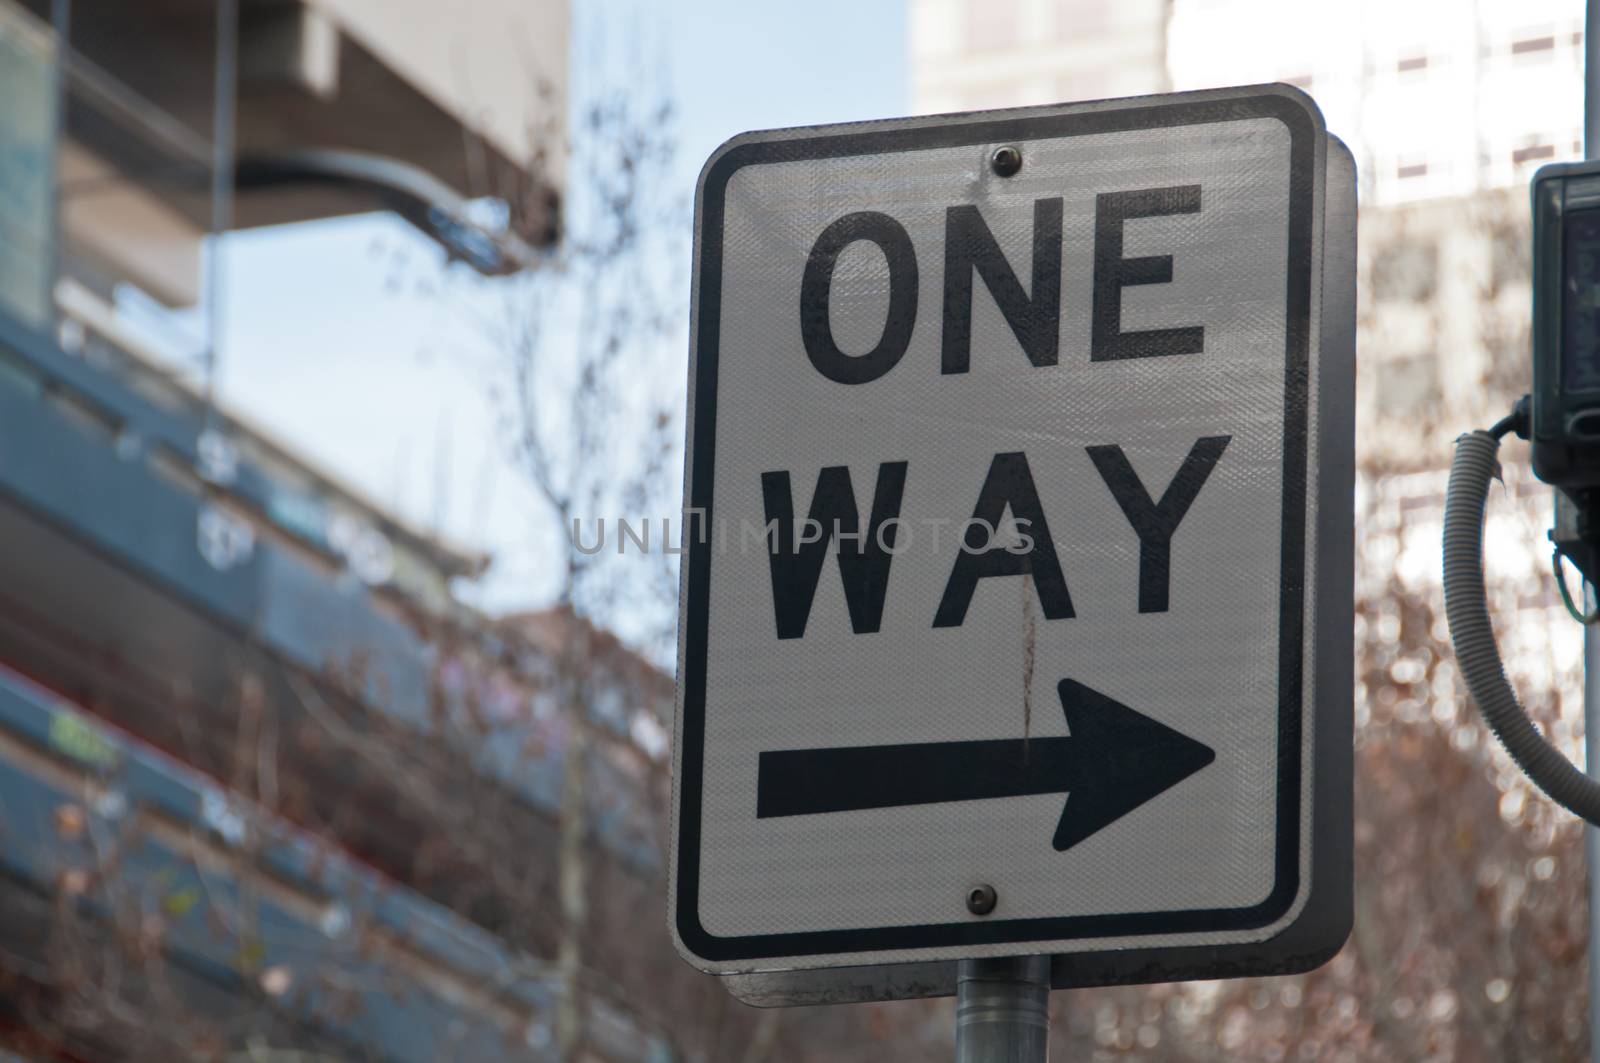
x=1017 y=595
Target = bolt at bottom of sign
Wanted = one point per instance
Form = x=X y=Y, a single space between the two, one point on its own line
x=981 y=899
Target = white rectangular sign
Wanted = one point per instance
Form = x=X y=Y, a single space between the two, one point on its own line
x=1000 y=602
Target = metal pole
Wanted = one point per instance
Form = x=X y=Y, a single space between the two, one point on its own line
x=1591 y=634
x=1591 y=71
x=1003 y=1010
x=61 y=23
x=224 y=97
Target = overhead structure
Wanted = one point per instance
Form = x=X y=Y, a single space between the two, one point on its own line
x=373 y=105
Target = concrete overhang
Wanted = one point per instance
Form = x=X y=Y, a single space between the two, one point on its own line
x=471 y=95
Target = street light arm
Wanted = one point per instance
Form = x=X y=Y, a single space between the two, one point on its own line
x=409 y=191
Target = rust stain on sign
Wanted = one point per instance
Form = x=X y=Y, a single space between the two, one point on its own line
x=1029 y=633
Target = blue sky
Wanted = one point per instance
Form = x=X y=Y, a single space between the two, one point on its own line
x=327 y=344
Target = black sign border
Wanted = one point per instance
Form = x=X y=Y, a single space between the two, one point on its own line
x=1305 y=136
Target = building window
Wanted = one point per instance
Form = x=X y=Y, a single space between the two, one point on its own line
x=1406 y=385
x=1412 y=64
x=1509 y=256
x=1079 y=18
x=1080 y=88
x=994 y=97
x=1405 y=271
x=1533 y=49
x=1533 y=153
x=1410 y=169
x=992 y=25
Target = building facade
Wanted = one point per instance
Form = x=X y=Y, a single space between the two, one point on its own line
x=268 y=790
x=980 y=54
x=1436 y=98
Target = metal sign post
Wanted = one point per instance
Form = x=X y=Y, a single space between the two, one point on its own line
x=1003 y=1010
x=1017 y=590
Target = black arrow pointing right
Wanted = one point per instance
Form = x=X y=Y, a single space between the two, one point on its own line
x=1115 y=760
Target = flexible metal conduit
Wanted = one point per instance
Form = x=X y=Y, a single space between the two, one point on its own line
x=1477 y=655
